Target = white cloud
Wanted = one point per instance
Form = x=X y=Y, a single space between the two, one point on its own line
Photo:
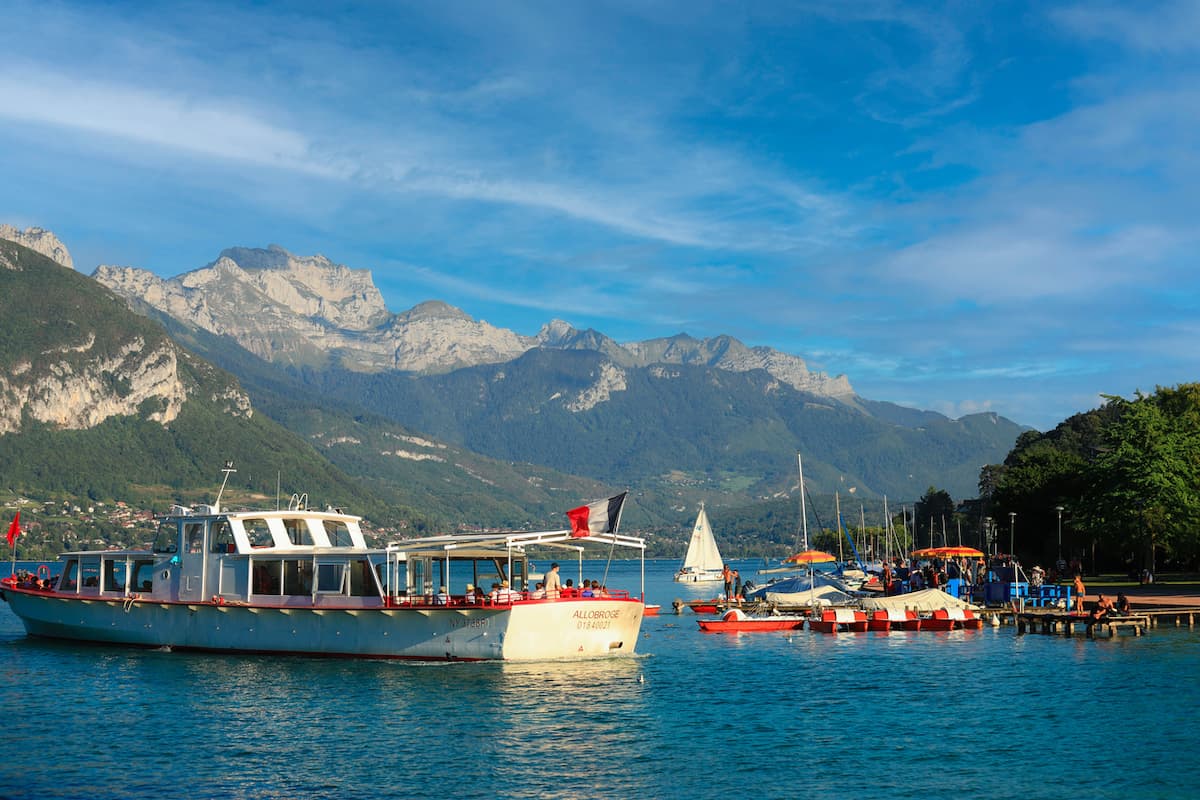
x=191 y=125
x=1170 y=27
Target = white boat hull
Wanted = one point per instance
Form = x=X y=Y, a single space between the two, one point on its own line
x=699 y=577
x=530 y=630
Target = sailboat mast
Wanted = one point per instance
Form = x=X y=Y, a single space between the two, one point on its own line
x=887 y=529
x=837 y=505
x=803 y=511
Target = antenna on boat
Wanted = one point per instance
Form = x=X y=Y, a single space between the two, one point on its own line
x=227 y=469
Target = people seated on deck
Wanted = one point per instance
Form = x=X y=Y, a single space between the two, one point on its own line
x=586 y=591
x=494 y=594
x=442 y=598
x=539 y=591
x=1123 y=606
x=479 y=595
x=569 y=589
x=469 y=594
x=506 y=595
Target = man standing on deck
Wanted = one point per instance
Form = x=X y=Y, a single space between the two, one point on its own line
x=553 y=586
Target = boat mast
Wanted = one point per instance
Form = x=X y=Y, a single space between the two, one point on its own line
x=837 y=504
x=227 y=469
x=803 y=513
x=812 y=584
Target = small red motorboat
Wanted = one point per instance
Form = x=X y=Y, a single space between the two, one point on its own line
x=706 y=606
x=652 y=609
x=894 y=619
x=736 y=621
x=840 y=619
x=952 y=619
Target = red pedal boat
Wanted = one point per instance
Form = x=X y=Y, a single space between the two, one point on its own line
x=736 y=621
x=840 y=619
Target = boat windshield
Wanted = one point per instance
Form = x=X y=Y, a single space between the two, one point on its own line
x=167 y=539
x=338 y=533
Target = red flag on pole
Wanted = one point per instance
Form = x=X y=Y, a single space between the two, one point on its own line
x=14 y=530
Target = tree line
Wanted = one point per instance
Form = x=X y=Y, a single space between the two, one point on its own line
x=1115 y=488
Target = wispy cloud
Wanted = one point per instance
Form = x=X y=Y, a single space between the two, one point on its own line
x=198 y=127
x=1170 y=27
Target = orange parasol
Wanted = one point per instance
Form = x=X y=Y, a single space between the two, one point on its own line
x=810 y=557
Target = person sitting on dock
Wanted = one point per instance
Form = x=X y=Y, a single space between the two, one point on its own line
x=1104 y=607
x=1123 y=606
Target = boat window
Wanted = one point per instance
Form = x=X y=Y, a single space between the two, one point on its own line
x=193 y=534
x=297 y=577
x=258 y=533
x=114 y=576
x=90 y=572
x=362 y=579
x=338 y=533
x=298 y=532
x=70 y=576
x=167 y=539
x=222 y=537
x=331 y=578
x=267 y=577
x=143 y=576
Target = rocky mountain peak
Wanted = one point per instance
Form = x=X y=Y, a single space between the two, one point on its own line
x=313 y=286
x=433 y=309
x=40 y=241
x=555 y=333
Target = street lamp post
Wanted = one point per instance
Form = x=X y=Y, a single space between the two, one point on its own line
x=1012 y=534
x=1059 y=509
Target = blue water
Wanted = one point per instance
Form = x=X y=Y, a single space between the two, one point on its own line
x=771 y=715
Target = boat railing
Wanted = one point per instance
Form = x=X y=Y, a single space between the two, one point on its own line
x=513 y=598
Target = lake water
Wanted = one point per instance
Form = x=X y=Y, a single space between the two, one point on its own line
x=984 y=714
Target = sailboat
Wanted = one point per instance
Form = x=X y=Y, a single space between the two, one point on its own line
x=703 y=563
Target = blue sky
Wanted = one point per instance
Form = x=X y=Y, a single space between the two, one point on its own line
x=962 y=207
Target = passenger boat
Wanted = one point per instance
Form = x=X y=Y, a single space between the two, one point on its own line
x=304 y=581
x=737 y=621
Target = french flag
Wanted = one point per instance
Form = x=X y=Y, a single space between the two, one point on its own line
x=603 y=516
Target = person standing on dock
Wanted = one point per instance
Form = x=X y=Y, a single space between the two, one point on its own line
x=1080 y=590
x=727 y=577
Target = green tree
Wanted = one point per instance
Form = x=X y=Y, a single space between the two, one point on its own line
x=934 y=511
x=1141 y=494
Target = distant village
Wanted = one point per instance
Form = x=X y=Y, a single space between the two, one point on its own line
x=51 y=527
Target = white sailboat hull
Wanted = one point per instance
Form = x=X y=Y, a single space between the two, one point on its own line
x=705 y=576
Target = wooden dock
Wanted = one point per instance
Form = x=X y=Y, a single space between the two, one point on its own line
x=1139 y=622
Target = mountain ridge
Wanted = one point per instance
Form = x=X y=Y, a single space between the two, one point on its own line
x=317 y=313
